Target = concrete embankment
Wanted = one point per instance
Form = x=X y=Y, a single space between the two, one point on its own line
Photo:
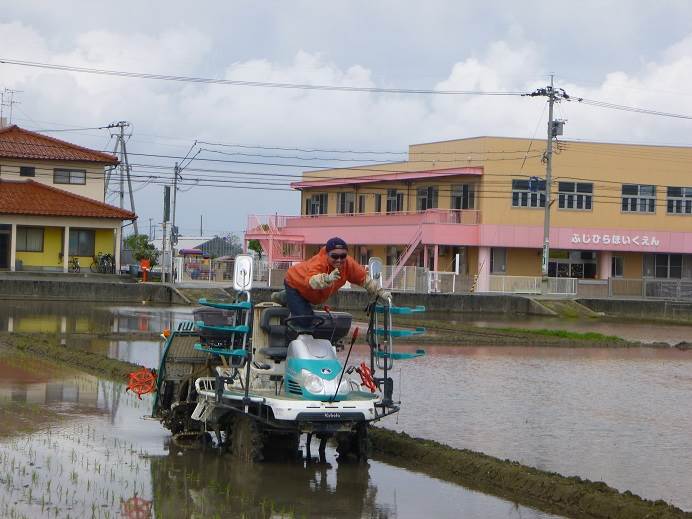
x=83 y=289
x=547 y=491
x=349 y=300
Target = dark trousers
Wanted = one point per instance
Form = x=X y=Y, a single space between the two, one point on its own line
x=298 y=306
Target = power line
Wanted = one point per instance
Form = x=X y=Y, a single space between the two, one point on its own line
x=261 y=84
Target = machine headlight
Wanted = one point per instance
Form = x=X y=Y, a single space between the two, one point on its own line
x=313 y=383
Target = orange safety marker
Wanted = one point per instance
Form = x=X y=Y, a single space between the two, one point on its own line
x=141 y=382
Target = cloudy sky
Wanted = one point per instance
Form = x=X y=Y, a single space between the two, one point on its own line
x=629 y=53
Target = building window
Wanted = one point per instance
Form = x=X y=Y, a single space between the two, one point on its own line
x=575 y=195
x=463 y=196
x=82 y=242
x=69 y=176
x=638 y=198
x=679 y=200
x=523 y=196
x=27 y=171
x=361 y=203
x=316 y=204
x=498 y=260
x=364 y=256
x=392 y=256
x=378 y=203
x=663 y=266
x=345 y=203
x=395 y=201
x=29 y=239
x=426 y=198
x=617 y=266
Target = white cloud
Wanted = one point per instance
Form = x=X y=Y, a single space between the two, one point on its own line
x=317 y=118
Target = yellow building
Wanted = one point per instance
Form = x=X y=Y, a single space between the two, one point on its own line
x=621 y=215
x=52 y=201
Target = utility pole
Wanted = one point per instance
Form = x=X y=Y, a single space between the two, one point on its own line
x=9 y=93
x=201 y=229
x=174 y=229
x=554 y=129
x=120 y=150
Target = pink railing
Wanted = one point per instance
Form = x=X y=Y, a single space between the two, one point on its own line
x=440 y=216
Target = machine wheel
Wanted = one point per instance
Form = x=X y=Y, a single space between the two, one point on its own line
x=247 y=440
x=353 y=446
x=281 y=446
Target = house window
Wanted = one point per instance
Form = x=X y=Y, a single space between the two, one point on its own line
x=575 y=195
x=29 y=239
x=69 y=176
x=463 y=196
x=361 y=203
x=378 y=203
x=638 y=198
x=679 y=200
x=395 y=201
x=345 y=203
x=617 y=266
x=426 y=198
x=523 y=196
x=498 y=260
x=27 y=171
x=316 y=204
x=82 y=242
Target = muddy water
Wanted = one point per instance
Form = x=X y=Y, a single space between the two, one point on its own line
x=619 y=416
x=85 y=451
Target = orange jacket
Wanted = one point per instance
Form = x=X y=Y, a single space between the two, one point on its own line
x=298 y=276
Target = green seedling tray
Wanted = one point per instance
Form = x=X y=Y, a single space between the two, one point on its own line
x=219 y=351
x=401 y=333
x=225 y=329
x=243 y=305
x=399 y=355
x=401 y=310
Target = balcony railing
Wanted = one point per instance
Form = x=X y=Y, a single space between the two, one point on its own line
x=433 y=216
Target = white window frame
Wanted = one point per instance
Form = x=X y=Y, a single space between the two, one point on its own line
x=679 y=204
x=638 y=202
x=69 y=176
x=524 y=198
x=345 y=202
x=427 y=197
x=617 y=266
x=316 y=204
x=575 y=194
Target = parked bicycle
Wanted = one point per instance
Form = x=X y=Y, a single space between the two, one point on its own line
x=103 y=264
x=73 y=264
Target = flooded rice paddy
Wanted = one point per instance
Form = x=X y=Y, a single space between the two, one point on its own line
x=83 y=449
x=621 y=416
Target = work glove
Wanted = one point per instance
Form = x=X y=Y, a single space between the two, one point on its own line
x=374 y=289
x=320 y=281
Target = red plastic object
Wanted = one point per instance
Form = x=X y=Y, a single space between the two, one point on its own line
x=141 y=382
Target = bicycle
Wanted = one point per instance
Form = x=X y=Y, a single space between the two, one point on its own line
x=103 y=264
x=73 y=264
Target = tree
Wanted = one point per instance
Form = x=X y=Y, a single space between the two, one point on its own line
x=256 y=246
x=141 y=248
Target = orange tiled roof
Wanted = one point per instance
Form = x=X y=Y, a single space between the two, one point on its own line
x=18 y=143
x=33 y=198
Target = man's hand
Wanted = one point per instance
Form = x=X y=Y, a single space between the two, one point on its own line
x=334 y=276
x=320 y=281
x=383 y=294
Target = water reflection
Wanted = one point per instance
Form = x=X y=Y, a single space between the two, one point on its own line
x=87 y=318
x=102 y=459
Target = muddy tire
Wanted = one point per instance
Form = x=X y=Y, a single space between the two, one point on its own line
x=247 y=440
x=353 y=446
x=281 y=446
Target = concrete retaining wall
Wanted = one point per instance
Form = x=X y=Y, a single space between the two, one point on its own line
x=641 y=309
x=48 y=289
x=350 y=300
